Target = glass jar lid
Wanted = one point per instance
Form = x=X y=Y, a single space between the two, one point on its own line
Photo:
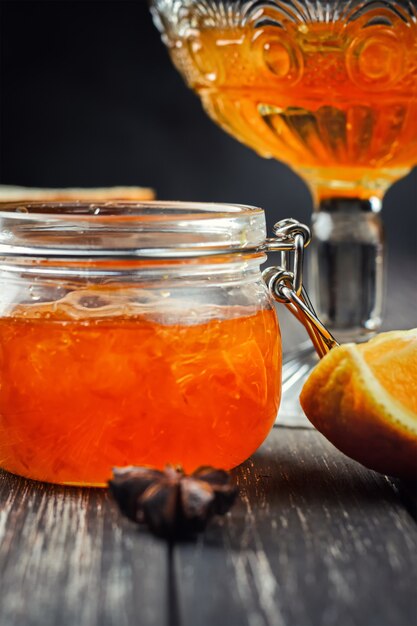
x=129 y=230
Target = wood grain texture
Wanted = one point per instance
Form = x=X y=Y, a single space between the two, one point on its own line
x=315 y=539
x=67 y=558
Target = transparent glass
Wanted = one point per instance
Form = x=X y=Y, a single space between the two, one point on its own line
x=133 y=333
x=330 y=88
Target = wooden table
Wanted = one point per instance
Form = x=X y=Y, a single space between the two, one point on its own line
x=314 y=540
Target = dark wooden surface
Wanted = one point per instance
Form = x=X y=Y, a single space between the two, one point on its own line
x=314 y=540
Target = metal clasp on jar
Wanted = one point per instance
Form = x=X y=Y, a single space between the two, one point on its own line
x=285 y=282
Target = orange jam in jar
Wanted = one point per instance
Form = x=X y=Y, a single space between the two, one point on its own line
x=78 y=398
x=156 y=354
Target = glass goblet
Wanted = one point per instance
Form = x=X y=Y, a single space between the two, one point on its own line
x=329 y=88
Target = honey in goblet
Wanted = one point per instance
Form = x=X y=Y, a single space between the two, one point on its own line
x=335 y=100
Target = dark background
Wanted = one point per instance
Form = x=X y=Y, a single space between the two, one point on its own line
x=89 y=97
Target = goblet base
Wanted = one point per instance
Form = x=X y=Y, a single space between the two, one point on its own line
x=296 y=368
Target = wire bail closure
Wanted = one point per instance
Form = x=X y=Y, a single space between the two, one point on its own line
x=285 y=282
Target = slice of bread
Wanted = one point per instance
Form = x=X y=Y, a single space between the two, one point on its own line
x=11 y=193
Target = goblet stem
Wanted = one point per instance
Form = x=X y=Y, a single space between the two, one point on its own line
x=346 y=284
x=346 y=272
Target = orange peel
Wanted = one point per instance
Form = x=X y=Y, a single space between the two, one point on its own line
x=363 y=398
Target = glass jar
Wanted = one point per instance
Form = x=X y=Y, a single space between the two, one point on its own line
x=133 y=334
x=136 y=334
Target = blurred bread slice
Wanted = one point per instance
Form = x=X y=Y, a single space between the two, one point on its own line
x=12 y=193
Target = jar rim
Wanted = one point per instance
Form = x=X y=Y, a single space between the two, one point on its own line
x=129 y=229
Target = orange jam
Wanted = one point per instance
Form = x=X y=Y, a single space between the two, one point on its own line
x=78 y=397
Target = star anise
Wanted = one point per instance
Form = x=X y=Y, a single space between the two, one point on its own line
x=170 y=503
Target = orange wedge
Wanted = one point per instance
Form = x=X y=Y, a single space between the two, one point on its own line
x=11 y=193
x=363 y=398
